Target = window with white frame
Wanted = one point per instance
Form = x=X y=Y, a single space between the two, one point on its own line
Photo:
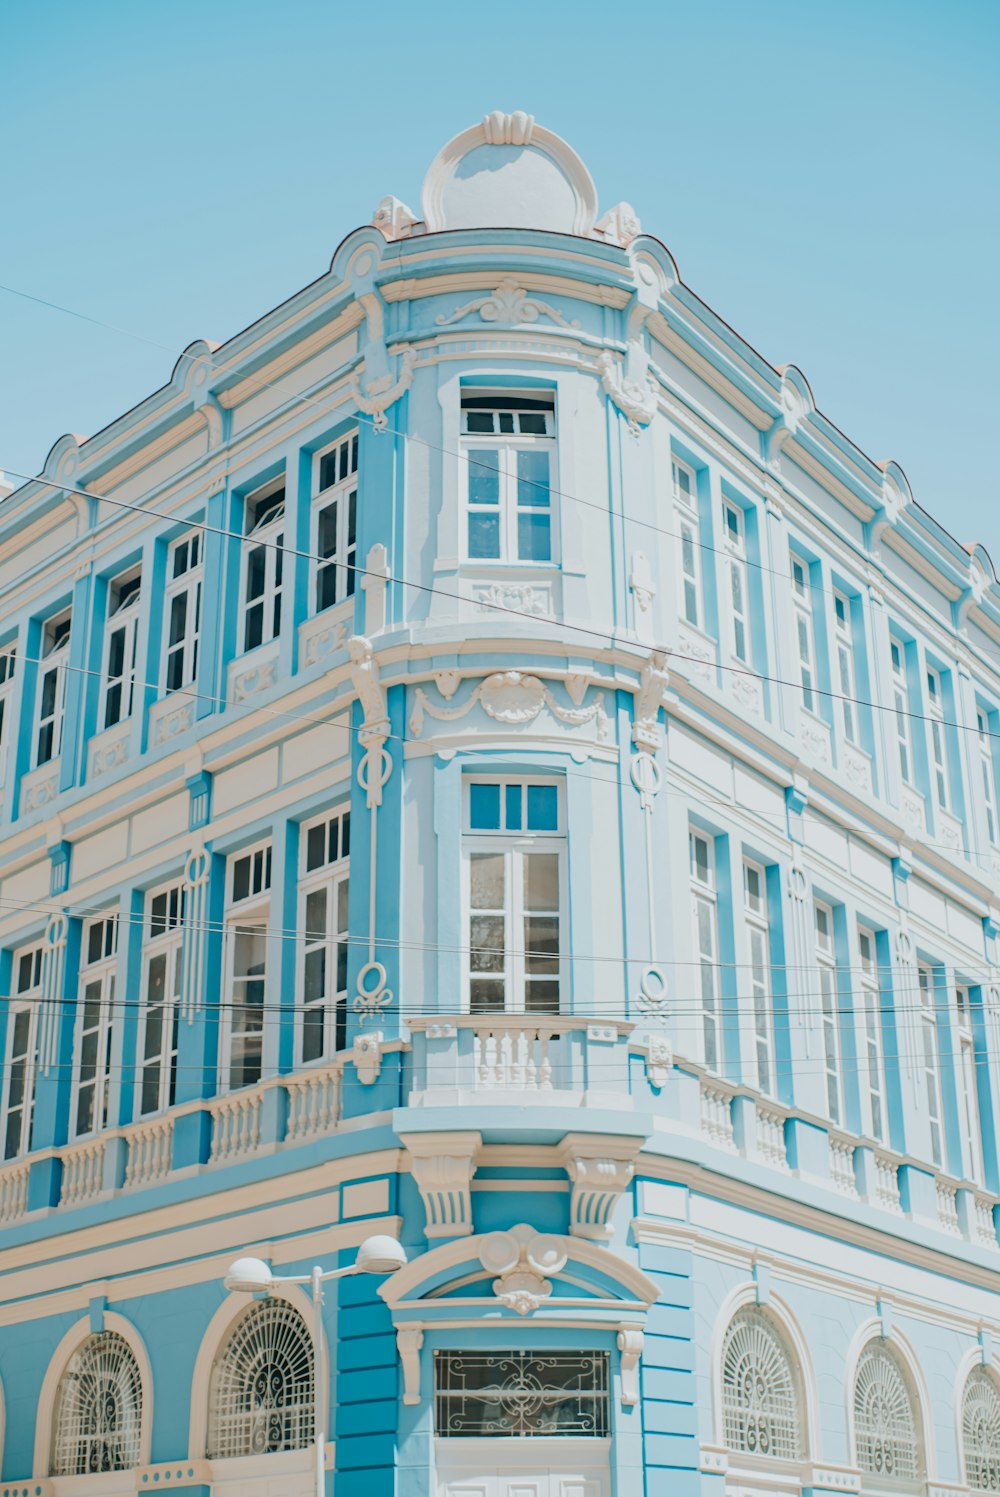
x=930 y=1057
x=981 y=1431
x=938 y=742
x=262 y=1387
x=335 y=522
x=323 y=893
x=52 y=671
x=826 y=961
x=760 y=1401
x=755 y=910
x=515 y=850
x=247 y=909
x=871 y=1006
x=734 y=537
x=120 y=641
x=901 y=707
x=8 y=666
x=987 y=766
x=521 y=1394
x=97 y=1425
x=847 y=681
x=968 y=1093
x=704 y=903
x=161 y=987
x=685 y=482
x=182 y=610
x=17 y=1113
x=508 y=446
x=94 y=1026
x=805 y=633
x=263 y=558
x=885 y=1425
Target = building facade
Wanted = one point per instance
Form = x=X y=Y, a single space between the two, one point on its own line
x=485 y=760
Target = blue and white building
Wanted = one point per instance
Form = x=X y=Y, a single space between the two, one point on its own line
x=486 y=760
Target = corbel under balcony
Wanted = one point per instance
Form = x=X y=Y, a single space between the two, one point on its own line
x=442 y=1165
x=600 y=1167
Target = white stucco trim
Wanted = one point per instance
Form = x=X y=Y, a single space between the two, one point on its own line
x=788 y=1326
x=214 y=1339
x=871 y=1330
x=74 y=1338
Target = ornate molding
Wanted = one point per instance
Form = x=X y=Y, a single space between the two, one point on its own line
x=521 y=1257
x=630 y=1344
x=635 y=398
x=522 y=597
x=380 y=387
x=53 y=965
x=659 y=1060
x=394 y=219
x=253 y=679
x=649 y=697
x=197 y=868
x=508 y=303
x=619 y=225
x=442 y=1165
x=367 y=1053
x=321 y=642
x=373 y=993
x=409 y=1340
x=640 y=580
x=514 y=699
x=176 y=719
x=600 y=1169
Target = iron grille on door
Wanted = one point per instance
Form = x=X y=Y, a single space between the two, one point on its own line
x=521 y=1393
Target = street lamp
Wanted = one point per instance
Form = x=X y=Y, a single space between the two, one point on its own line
x=379 y=1255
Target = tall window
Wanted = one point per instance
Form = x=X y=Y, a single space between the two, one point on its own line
x=871 y=1003
x=335 y=523
x=847 y=684
x=248 y=904
x=509 y=446
x=8 y=663
x=689 y=533
x=52 y=687
x=183 y=610
x=326 y=847
x=901 y=706
x=515 y=855
x=161 y=986
x=734 y=536
x=21 y=1069
x=701 y=856
x=981 y=1431
x=94 y=1025
x=968 y=1096
x=120 y=639
x=98 y=1412
x=939 y=747
x=264 y=528
x=262 y=1393
x=805 y=635
x=760 y=1404
x=826 y=960
x=885 y=1425
x=930 y=1057
x=759 y=942
x=987 y=768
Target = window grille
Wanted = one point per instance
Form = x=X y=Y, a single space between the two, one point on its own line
x=760 y=1409
x=261 y=1396
x=98 y=1416
x=519 y=1393
x=981 y=1432
x=885 y=1426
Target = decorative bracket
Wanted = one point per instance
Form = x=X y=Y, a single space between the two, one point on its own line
x=654 y=679
x=630 y=1344
x=635 y=398
x=376 y=766
x=380 y=390
x=601 y=1169
x=522 y=1257
x=367 y=1055
x=409 y=1340
x=442 y=1165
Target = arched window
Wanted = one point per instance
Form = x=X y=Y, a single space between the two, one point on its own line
x=885 y=1422
x=98 y=1410
x=261 y=1392
x=981 y=1431
x=760 y=1403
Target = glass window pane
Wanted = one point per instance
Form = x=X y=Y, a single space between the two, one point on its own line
x=543 y=808
x=314 y=977
x=541 y=945
x=486 y=995
x=533 y=479
x=541 y=881
x=315 y=915
x=512 y=807
x=534 y=537
x=484 y=476
x=486 y=943
x=484 y=808
x=487 y=881
x=484 y=536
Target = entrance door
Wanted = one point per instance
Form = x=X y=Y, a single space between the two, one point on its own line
x=507 y=1468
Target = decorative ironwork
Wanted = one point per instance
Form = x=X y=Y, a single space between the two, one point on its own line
x=522 y=1393
x=759 y=1396
x=261 y=1396
x=98 y=1414
x=981 y=1431
x=885 y=1424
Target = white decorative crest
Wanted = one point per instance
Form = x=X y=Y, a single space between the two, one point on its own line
x=394 y=218
x=620 y=225
x=508 y=129
x=636 y=399
x=512 y=698
x=659 y=1060
x=522 y=1257
x=508 y=303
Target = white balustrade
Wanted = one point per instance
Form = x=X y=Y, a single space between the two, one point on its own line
x=983 y=1228
x=842 y=1175
x=83 y=1172
x=947 y=1208
x=313 y=1103
x=150 y=1148
x=771 y=1136
x=236 y=1123
x=887 y=1183
x=515 y=1059
x=13 y=1191
x=716 y=1114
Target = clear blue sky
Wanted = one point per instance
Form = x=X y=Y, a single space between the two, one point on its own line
x=826 y=175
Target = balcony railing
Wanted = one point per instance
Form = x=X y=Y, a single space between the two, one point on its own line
x=509 y=1056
